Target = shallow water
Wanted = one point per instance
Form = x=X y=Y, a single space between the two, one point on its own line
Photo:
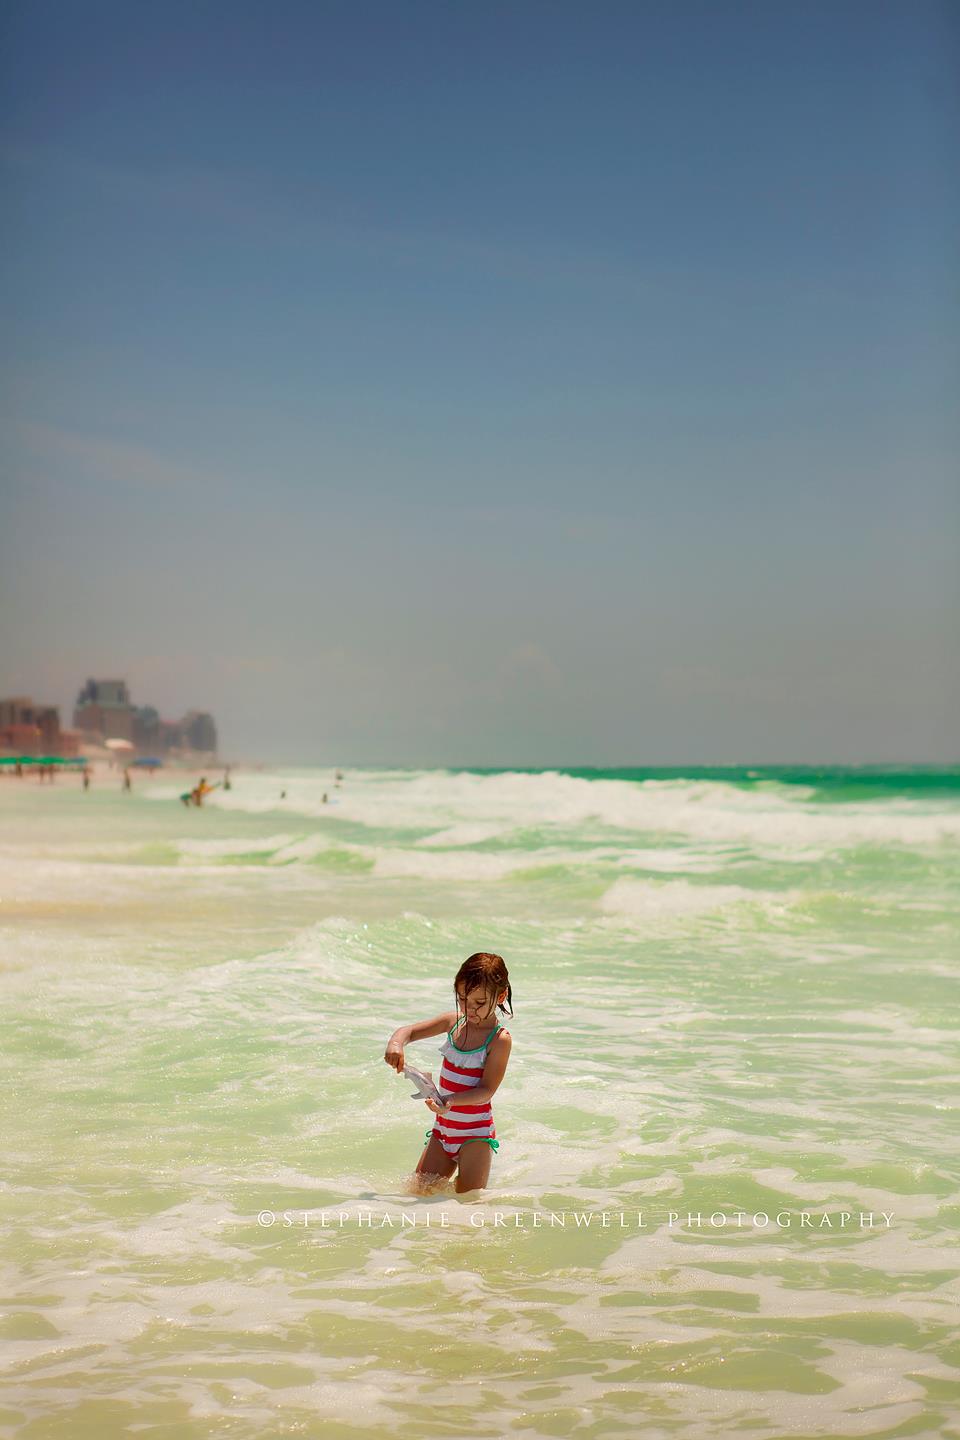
x=735 y=995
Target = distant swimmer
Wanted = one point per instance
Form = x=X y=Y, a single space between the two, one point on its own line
x=198 y=792
x=195 y=796
x=326 y=798
x=283 y=794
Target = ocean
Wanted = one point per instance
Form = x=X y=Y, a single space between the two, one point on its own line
x=735 y=1023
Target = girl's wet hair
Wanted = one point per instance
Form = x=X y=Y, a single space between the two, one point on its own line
x=487 y=972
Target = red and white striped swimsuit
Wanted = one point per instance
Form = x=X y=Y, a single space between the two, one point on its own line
x=463 y=1070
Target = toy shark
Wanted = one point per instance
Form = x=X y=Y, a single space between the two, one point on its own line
x=426 y=1090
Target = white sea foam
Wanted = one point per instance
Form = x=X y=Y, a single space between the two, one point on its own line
x=459 y=808
x=443 y=865
x=651 y=899
x=463 y=835
x=235 y=845
x=704 y=860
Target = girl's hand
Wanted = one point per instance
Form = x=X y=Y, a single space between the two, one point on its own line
x=437 y=1109
x=394 y=1056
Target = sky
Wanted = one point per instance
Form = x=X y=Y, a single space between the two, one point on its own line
x=526 y=383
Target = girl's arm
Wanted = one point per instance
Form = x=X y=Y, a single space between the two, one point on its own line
x=421 y=1030
x=493 y=1073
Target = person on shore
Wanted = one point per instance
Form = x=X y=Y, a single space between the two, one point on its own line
x=475 y=1055
x=86 y=777
x=127 y=782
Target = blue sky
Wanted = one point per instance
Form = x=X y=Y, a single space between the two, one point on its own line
x=451 y=383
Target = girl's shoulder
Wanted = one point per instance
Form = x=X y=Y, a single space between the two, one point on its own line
x=499 y=1050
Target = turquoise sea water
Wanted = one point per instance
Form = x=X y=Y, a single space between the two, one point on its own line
x=735 y=996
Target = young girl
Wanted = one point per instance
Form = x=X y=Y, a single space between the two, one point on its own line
x=475 y=1055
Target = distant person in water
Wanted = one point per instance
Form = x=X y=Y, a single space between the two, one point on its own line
x=326 y=798
x=195 y=796
x=198 y=792
x=226 y=779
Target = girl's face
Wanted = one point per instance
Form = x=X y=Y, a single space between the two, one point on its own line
x=478 y=1004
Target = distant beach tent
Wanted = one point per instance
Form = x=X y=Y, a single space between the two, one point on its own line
x=150 y=762
x=43 y=760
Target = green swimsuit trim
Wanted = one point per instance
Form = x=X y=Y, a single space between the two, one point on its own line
x=476 y=1047
x=494 y=1144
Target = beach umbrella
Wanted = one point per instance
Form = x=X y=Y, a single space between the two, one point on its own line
x=149 y=763
x=118 y=744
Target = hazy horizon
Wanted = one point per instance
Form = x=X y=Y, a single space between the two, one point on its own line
x=523 y=385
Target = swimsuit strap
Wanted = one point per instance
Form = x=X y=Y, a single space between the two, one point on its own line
x=475 y=1048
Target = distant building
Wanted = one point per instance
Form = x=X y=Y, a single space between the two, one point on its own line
x=20 y=739
x=146 y=730
x=104 y=692
x=168 y=736
x=103 y=710
x=199 y=731
x=47 y=720
x=29 y=729
x=70 y=744
x=12 y=711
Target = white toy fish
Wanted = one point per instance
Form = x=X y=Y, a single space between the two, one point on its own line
x=426 y=1090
